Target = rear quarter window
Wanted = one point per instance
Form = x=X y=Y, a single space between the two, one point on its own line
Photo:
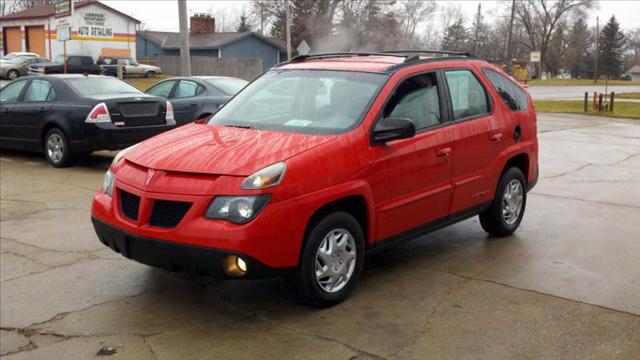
x=511 y=94
x=468 y=97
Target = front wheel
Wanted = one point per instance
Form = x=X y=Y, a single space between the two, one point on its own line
x=13 y=74
x=149 y=74
x=504 y=215
x=56 y=149
x=331 y=262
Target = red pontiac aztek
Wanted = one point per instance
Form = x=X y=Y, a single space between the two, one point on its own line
x=323 y=159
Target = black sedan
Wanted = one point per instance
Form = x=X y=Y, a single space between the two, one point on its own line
x=66 y=115
x=197 y=97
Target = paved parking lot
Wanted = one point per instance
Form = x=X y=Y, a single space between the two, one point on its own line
x=566 y=285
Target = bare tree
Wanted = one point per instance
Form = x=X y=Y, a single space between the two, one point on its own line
x=540 y=19
x=413 y=13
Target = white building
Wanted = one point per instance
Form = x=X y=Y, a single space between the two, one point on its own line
x=96 y=29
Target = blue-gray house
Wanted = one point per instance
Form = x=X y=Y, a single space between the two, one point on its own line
x=153 y=44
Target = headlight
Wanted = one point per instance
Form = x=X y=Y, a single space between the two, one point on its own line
x=119 y=156
x=237 y=209
x=107 y=183
x=267 y=177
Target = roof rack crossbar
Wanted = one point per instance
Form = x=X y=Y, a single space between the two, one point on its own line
x=441 y=52
x=338 y=55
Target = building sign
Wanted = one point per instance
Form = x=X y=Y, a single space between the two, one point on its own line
x=535 y=56
x=95 y=24
x=62 y=8
x=303 y=48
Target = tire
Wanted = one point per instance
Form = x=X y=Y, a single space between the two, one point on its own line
x=149 y=74
x=13 y=74
x=305 y=285
x=503 y=217
x=56 y=149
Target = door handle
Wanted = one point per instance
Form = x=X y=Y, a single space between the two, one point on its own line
x=43 y=109
x=496 y=137
x=193 y=105
x=444 y=152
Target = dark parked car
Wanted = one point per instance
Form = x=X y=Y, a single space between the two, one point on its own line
x=65 y=115
x=76 y=64
x=18 y=66
x=197 y=97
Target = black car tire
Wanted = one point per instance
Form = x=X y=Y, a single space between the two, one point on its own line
x=304 y=284
x=493 y=220
x=149 y=74
x=13 y=74
x=56 y=149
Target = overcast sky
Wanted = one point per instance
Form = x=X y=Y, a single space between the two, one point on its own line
x=162 y=15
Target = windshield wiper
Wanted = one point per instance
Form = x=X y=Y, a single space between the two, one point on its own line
x=240 y=126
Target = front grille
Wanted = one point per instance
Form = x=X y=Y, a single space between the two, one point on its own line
x=139 y=109
x=129 y=205
x=168 y=214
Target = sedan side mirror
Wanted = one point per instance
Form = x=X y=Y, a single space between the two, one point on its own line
x=393 y=128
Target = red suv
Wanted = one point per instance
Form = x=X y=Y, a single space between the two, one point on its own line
x=321 y=160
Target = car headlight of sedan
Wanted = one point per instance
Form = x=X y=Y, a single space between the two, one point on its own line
x=270 y=176
x=237 y=209
x=107 y=183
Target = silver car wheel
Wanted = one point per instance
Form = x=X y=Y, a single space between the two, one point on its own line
x=335 y=260
x=512 y=201
x=12 y=74
x=55 y=148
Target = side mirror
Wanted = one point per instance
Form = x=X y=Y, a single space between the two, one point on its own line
x=393 y=128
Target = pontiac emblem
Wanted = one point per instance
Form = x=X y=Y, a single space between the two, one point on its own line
x=150 y=174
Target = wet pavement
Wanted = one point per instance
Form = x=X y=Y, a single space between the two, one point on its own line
x=566 y=285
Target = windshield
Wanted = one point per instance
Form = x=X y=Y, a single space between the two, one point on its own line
x=101 y=86
x=303 y=101
x=17 y=60
x=229 y=86
x=9 y=57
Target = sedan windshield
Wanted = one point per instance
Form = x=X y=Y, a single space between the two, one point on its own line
x=87 y=85
x=303 y=101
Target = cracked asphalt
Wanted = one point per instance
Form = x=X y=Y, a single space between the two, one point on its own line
x=566 y=285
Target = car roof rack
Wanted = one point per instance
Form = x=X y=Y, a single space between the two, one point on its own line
x=330 y=55
x=416 y=53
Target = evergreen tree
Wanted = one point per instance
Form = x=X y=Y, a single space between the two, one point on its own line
x=611 y=48
x=554 y=61
x=244 y=25
x=456 y=37
x=579 y=58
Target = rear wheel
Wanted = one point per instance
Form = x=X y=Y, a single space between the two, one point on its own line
x=149 y=74
x=56 y=149
x=504 y=215
x=331 y=262
x=13 y=74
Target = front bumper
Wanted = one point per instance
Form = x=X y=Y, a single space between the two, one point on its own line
x=174 y=256
x=94 y=137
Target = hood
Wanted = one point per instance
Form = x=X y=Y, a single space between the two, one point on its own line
x=149 y=67
x=216 y=150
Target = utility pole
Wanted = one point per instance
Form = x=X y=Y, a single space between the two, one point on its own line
x=475 y=40
x=185 y=55
x=509 y=38
x=288 y=30
x=261 y=3
x=595 y=73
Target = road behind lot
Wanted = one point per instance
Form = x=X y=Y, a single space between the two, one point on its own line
x=577 y=92
x=566 y=285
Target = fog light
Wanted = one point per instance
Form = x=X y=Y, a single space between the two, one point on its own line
x=234 y=265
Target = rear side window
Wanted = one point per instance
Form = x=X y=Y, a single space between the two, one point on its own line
x=74 y=61
x=513 y=96
x=416 y=99
x=186 y=89
x=10 y=93
x=468 y=97
x=39 y=91
x=163 y=89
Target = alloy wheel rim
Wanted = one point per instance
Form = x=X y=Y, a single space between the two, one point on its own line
x=512 y=201
x=335 y=260
x=12 y=75
x=55 y=148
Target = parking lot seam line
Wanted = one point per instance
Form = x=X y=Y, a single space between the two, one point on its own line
x=566 y=172
x=536 y=292
x=583 y=200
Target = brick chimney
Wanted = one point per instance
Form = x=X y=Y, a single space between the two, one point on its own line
x=202 y=24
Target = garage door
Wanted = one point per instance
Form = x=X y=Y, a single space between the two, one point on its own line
x=35 y=40
x=12 y=39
